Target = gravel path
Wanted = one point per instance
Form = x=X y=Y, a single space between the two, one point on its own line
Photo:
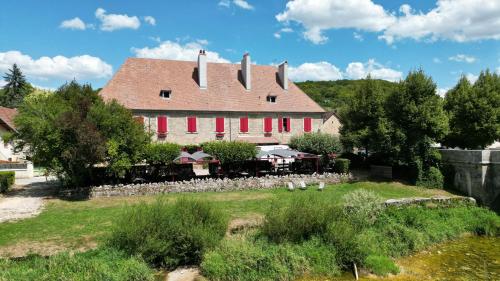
x=26 y=199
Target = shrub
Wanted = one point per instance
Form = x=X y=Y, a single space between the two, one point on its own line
x=103 y=264
x=355 y=160
x=297 y=220
x=191 y=148
x=432 y=179
x=6 y=180
x=230 y=151
x=169 y=235
x=157 y=154
x=316 y=143
x=362 y=206
x=381 y=265
x=341 y=166
x=243 y=260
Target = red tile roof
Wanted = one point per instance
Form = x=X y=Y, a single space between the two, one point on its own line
x=138 y=82
x=7 y=117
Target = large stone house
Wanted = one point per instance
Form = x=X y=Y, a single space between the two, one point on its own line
x=6 y=127
x=193 y=102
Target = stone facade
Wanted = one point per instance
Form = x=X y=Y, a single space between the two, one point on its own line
x=207 y=185
x=475 y=173
x=177 y=125
x=331 y=125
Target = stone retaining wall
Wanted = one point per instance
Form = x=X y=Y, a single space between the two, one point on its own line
x=206 y=185
x=439 y=200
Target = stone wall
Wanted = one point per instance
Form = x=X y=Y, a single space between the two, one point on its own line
x=475 y=173
x=205 y=123
x=206 y=185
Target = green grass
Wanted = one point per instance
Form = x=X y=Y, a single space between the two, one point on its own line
x=77 y=224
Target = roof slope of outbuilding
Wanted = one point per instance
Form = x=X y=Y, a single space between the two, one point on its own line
x=138 y=83
x=7 y=117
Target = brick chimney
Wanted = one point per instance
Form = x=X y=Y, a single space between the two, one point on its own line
x=202 y=69
x=283 y=74
x=246 y=71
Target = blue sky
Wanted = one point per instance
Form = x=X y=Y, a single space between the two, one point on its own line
x=56 y=41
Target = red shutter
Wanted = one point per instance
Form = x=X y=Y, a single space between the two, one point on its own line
x=162 y=125
x=191 y=120
x=219 y=124
x=268 y=125
x=280 y=124
x=288 y=124
x=244 y=124
x=307 y=124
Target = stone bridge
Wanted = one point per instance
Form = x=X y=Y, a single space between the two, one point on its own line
x=475 y=173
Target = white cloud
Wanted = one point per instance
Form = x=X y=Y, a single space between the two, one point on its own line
x=498 y=70
x=436 y=60
x=111 y=22
x=176 y=51
x=358 y=70
x=314 y=71
x=150 y=20
x=75 y=24
x=277 y=34
x=358 y=36
x=2 y=83
x=442 y=91
x=471 y=77
x=463 y=58
x=224 y=3
x=319 y=15
x=58 y=67
x=455 y=20
x=240 y=3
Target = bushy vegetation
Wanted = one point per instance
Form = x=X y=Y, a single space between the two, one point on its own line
x=6 y=180
x=230 y=151
x=341 y=165
x=316 y=143
x=169 y=234
x=161 y=154
x=103 y=264
x=71 y=130
x=306 y=235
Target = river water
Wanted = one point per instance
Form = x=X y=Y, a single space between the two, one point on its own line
x=469 y=258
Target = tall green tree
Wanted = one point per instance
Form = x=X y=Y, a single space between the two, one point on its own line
x=364 y=121
x=419 y=121
x=15 y=89
x=73 y=129
x=474 y=112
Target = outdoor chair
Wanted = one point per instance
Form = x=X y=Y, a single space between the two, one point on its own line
x=290 y=186
x=321 y=186
x=303 y=185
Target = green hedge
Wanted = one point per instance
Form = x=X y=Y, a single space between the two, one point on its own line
x=341 y=165
x=6 y=180
x=161 y=153
x=316 y=143
x=230 y=151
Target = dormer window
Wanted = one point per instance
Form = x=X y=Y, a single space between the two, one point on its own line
x=165 y=94
x=271 y=99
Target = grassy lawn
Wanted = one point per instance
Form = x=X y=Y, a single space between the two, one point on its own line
x=79 y=225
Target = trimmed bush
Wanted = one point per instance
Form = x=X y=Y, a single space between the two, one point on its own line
x=316 y=143
x=6 y=180
x=103 y=264
x=157 y=154
x=341 y=166
x=169 y=235
x=230 y=151
x=381 y=265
